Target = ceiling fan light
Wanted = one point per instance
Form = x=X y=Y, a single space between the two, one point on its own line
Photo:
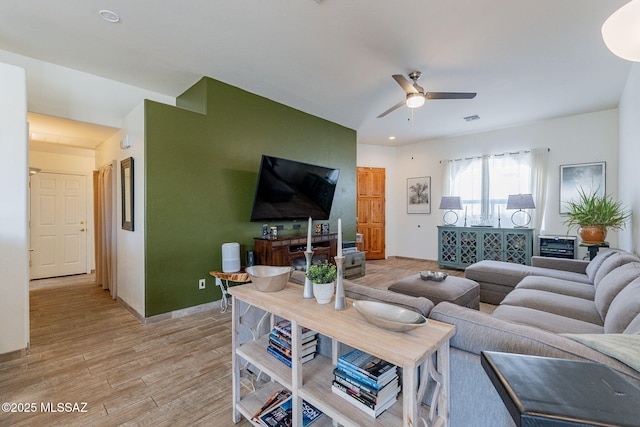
x=415 y=100
x=621 y=31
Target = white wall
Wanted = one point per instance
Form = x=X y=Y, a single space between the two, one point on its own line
x=69 y=160
x=378 y=156
x=14 y=269
x=577 y=139
x=64 y=92
x=629 y=154
x=130 y=264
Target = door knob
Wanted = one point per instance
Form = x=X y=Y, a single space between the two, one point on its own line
x=82 y=229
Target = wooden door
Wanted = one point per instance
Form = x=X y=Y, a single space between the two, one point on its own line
x=371 y=210
x=58 y=225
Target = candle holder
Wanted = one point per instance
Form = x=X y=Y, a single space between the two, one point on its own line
x=341 y=302
x=308 y=286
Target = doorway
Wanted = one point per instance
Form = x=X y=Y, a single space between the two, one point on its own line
x=371 y=210
x=58 y=225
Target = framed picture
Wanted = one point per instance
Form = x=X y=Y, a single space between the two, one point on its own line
x=419 y=195
x=590 y=177
x=126 y=181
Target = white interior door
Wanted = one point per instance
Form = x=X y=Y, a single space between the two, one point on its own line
x=58 y=225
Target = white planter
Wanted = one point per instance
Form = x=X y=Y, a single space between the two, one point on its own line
x=323 y=292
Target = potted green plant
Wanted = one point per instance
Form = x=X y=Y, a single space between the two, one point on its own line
x=595 y=215
x=323 y=277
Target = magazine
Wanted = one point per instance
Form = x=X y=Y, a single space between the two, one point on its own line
x=281 y=415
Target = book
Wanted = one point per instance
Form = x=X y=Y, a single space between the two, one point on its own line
x=275 y=399
x=367 y=364
x=281 y=415
x=348 y=380
x=363 y=378
x=390 y=389
x=288 y=352
x=287 y=360
x=364 y=408
x=284 y=327
x=365 y=401
x=287 y=340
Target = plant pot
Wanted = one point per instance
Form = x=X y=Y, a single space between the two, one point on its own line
x=323 y=292
x=592 y=235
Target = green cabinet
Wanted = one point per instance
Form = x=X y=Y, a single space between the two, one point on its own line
x=459 y=247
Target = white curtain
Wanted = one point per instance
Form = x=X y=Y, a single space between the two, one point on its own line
x=484 y=183
x=104 y=184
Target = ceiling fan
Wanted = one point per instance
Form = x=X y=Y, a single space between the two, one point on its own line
x=416 y=96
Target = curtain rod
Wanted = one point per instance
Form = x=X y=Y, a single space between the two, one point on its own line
x=511 y=153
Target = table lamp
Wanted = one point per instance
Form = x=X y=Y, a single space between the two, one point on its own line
x=520 y=202
x=450 y=203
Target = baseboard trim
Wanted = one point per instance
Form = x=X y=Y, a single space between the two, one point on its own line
x=14 y=355
x=172 y=314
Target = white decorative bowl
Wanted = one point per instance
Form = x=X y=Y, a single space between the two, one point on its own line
x=267 y=278
x=436 y=276
x=390 y=317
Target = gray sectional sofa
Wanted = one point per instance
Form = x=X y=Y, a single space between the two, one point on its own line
x=590 y=313
x=556 y=308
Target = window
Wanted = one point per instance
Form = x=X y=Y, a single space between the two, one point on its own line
x=484 y=183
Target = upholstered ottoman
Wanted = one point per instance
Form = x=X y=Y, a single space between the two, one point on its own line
x=456 y=290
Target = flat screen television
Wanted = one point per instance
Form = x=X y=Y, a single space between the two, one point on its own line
x=292 y=190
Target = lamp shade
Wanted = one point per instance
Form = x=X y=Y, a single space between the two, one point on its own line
x=620 y=31
x=451 y=202
x=520 y=201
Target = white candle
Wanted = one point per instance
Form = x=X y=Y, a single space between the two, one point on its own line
x=309 y=236
x=339 y=237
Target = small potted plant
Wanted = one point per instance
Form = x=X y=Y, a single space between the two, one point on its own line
x=595 y=215
x=323 y=277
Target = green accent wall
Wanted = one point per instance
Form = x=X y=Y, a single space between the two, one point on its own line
x=201 y=169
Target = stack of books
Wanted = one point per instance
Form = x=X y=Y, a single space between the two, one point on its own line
x=277 y=411
x=366 y=381
x=280 y=343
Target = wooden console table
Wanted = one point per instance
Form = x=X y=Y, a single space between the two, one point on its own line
x=422 y=353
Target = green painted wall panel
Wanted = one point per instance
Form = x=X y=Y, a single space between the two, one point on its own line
x=201 y=171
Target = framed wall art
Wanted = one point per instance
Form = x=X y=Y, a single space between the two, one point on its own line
x=590 y=177
x=419 y=195
x=126 y=180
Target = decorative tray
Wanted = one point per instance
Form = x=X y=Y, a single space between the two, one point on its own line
x=436 y=276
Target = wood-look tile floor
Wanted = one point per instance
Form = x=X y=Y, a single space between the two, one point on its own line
x=86 y=348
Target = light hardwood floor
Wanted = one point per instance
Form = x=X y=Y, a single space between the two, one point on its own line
x=85 y=347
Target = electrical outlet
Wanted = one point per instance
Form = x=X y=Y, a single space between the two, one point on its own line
x=201 y=284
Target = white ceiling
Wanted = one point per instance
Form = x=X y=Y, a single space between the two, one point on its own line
x=528 y=60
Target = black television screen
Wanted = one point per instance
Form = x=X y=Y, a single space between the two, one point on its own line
x=291 y=190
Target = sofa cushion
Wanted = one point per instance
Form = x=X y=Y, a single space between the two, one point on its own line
x=611 y=263
x=634 y=326
x=562 y=305
x=613 y=283
x=624 y=309
x=558 y=286
x=510 y=274
x=597 y=261
x=547 y=321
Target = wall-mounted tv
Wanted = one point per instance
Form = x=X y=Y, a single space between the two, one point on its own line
x=292 y=190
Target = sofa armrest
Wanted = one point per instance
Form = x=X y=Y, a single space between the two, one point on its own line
x=573 y=265
x=366 y=293
x=477 y=331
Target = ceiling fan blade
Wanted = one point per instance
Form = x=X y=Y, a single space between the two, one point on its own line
x=406 y=84
x=395 y=107
x=450 y=95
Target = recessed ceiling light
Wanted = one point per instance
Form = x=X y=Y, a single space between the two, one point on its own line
x=109 y=16
x=392 y=138
x=472 y=118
